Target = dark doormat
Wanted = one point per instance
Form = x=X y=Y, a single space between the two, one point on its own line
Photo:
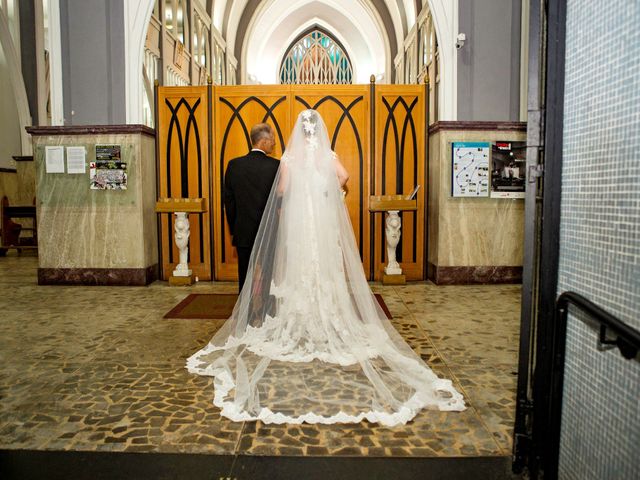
x=216 y=306
x=204 y=305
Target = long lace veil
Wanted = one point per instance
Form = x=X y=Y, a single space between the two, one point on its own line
x=307 y=341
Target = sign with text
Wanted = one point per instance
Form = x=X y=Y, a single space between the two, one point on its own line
x=470 y=169
x=508 y=161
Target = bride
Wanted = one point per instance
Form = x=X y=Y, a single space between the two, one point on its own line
x=307 y=341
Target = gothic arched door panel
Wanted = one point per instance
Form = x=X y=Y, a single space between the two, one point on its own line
x=399 y=168
x=379 y=139
x=346 y=112
x=236 y=110
x=183 y=171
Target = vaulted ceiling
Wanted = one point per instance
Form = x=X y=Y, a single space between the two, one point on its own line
x=258 y=32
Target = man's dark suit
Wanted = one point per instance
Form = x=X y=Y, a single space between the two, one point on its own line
x=247 y=184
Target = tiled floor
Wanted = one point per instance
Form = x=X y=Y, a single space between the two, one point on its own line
x=99 y=369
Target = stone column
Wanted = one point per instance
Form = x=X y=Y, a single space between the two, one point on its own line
x=93 y=61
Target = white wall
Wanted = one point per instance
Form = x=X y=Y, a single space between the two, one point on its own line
x=489 y=62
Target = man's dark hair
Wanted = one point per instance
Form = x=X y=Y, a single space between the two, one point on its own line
x=259 y=132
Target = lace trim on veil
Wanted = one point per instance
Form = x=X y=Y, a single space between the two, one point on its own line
x=307 y=341
x=223 y=384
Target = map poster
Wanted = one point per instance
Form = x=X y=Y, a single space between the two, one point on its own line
x=470 y=169
x=508 y=161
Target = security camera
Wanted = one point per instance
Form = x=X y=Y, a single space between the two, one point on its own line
x=460 y=39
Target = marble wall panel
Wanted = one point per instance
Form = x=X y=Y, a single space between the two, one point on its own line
x=80 y=228
x=433 y=199
x=94 y=237
x=471 y=232
x=149 y=195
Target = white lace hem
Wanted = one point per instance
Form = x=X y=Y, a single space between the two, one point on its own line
x=223 y=384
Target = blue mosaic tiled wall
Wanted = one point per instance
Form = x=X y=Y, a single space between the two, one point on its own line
x=600 y=235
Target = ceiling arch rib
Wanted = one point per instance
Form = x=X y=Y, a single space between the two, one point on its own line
x=410 y=12
x=278 y=22
x=392 y=21
x=397 y=16
x=216 y=10
x=418 y=5
x=237 y=15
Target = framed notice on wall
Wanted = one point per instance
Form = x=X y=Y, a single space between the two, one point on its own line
x=108 y=172
x=508 y=161
x=470 y=169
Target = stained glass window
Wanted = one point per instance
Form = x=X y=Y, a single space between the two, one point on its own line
x=316 y=58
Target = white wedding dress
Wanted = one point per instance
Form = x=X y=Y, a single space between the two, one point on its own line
x=307 y=341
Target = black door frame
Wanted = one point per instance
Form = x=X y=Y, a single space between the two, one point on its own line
x=537 y=431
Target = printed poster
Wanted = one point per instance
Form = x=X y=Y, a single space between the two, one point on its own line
x=76 y=157
x=508 y=162
x=470 y=169
x=108 y=172
x=54 y=159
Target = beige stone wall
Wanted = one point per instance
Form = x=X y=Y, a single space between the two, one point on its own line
x=470 y=232
x=26 y=172
x=83 y=228
x=9 y=186
x=19 y=187
x=148 y=198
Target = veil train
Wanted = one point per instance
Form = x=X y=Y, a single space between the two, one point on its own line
x=307 y=341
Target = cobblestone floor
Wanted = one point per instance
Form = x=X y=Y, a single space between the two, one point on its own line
x=99 y=369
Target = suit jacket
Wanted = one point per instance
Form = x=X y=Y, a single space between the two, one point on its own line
x=247 y=184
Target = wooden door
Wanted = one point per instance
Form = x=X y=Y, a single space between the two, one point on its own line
x=183 y=171
x=400 y=156
x=236 y=110
x=380 y=139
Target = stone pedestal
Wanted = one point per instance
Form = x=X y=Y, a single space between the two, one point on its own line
x=395 y=279
x=182 y=275
x=392 y=205
x=182 y=281
x=97 y=237
x=180 y=207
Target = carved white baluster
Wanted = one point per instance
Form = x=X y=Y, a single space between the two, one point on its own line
x=181 y=236
x=393 y=225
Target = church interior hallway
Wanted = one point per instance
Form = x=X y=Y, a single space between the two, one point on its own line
x=100 y=369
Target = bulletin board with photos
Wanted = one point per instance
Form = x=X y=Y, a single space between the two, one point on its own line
x=108 y=171
x=508 y=161
x=488 y=170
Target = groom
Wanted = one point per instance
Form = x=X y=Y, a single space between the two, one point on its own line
x=247 y=184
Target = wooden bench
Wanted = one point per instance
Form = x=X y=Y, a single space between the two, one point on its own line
x=10 y=230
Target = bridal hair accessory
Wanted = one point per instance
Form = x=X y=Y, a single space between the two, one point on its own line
x=308 y=126
x=309 y=122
